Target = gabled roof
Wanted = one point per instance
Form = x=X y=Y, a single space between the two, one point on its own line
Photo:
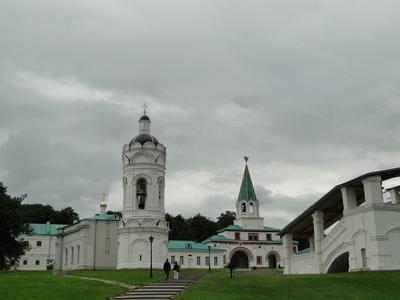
x=246 y=192
x=45 y=229
x=332 y=202
x=189 y=245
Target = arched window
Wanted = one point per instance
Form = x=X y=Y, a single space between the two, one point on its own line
x=160 y=187
x=66 y=256
x=141 y=192
x=243 y=207
x=251 y=209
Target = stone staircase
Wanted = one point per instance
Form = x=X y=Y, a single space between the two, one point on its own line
x=161 y=290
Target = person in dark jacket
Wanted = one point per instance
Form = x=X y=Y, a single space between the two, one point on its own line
x=177 y=268
x=167 y=269
x=231 y=267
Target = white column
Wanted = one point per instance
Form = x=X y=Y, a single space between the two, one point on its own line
x=349 y=198
x=318 y=221
x=373 y=189
x=394 y=195
x=59 y=254
x=287 y=252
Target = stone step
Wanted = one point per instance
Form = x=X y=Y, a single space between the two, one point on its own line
x=158 y=290
x=158 y=293
x=143 y=297
x=164 y=286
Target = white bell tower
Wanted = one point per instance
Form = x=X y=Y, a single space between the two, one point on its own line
x=143 y=212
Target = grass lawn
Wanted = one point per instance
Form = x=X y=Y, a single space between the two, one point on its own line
x=44 y=285
x=133 y=277
x=262 y=284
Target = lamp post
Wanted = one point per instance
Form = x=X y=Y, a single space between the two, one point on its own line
x=151 y=239
x=209 y=258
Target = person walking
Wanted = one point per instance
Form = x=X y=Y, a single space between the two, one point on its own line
x=167 y=269
x=177 y=268
x=231 y=267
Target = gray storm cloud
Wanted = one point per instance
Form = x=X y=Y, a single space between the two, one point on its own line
x=308 y=89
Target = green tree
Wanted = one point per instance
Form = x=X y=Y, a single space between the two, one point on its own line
x=12 y=226
x=38 y=213
x=225 y=219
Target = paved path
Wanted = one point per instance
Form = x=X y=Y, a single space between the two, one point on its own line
x=161 y=290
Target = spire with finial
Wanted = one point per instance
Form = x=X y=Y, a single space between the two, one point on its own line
x=103 y=204
x=144 y=108
x=246 y=192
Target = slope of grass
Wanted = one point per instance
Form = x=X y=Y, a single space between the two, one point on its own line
x=132 y=277
x=262 y=284
x=44 y=285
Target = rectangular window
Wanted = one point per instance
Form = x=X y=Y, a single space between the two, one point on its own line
x=38 y=243
x=207 y=260
x=237 y=235
x=269 y=237
x=224 y=258
x=108 y=242
x=364 y=257
x=78 y=254
x=66 y=256
x=215 y=261
x=172 y=259
x=181 y=260
x=253 y=236
x=198 y=260
x=259 y=260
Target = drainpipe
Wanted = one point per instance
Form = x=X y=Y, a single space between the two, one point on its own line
x=94 y=248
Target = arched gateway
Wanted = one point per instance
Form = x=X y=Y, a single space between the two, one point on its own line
x=241 y=257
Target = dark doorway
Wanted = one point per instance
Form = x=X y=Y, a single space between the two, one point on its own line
x=272 y=261
x=340 y=264
x=240 y=259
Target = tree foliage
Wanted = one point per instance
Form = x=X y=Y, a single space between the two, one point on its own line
x=12 y=226
x=38 y=213
x=198 y=227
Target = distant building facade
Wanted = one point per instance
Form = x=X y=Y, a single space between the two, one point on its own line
x=248 y=242
x=107 y=242
x=42 y=247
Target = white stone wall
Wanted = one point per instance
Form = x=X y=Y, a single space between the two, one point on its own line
x=44 y=254
x=89 y=244
x=190 y=259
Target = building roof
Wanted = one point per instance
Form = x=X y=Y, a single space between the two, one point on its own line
x=246 y=192
x=143 y=138
x=189 y=245
x=45 y=229
x=306 y=250
x=218 y=237
x=238 y=228
x=332 y=202
x=102 y=217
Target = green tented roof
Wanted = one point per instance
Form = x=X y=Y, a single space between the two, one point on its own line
x=247 y=192
x=189 y=245
x=45 y=229
x=233 y=227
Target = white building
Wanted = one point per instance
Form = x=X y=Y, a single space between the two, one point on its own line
x=105 y=242
x=350 y=228
x=89 y=244
x=42 y=251
x=248 y=242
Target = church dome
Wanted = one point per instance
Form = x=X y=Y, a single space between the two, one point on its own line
x=144 y=117
x=143 y=138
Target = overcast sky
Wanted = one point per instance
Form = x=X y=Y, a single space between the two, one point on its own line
x=308 y=89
